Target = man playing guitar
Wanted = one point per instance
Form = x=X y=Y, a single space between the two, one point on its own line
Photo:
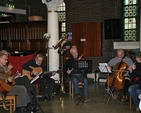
x=35 y=67
x=19 y=90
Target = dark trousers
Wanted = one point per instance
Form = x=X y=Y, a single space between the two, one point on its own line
x=46 y=86
x=25 y=82
x=126 y=86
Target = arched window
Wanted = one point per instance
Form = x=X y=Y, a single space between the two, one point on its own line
x=130 y=20
x=62 y=18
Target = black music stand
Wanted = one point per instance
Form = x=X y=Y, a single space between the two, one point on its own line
x=84 y=66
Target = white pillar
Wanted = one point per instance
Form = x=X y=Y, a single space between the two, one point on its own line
x=53 y=29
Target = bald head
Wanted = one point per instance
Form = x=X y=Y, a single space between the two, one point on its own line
x=120 y=53
x=74 y=52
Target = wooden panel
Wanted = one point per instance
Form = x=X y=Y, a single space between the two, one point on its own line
x=87 y=38
x=23 y=36
x=78 y=33
x=94 y=36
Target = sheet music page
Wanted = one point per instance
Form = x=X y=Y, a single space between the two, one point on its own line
x=103 y=67
x=35 y=78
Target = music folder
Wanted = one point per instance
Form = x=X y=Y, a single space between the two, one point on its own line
x=35 y=78
x=104 y=68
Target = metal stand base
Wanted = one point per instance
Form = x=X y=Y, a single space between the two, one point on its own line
x=111 y=94
x=82 y=99
x=33 y=107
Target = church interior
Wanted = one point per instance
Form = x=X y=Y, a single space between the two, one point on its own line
x=97 y=28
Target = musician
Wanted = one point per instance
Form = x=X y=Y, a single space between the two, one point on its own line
x=43 y=81
x=19 y=90
x=135 y=73
x=20 y=79
x=128 y=61
x=76 y=76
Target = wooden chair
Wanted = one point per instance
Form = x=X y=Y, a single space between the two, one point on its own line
x=71 y=88
x=130 y=103
x=10 y=101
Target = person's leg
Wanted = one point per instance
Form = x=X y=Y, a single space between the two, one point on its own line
x=85 y=87
x=50 y=86
x=83 y=78
x=25 y=82
x=132 y=91
x=125 y=90
x=23 y=98
x=42 y=83
x=138 y=92
x=75 y=85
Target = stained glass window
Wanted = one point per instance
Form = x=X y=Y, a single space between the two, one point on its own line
x=130 y=20
x=62 y=18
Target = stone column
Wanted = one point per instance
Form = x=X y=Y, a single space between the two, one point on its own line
x=53 y=29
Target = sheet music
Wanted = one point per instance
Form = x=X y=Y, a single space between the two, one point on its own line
x=35 y=78
x=103 y=67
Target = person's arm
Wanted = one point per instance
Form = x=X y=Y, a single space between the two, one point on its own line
x=3 y=76
x=26 y=65
x=136 y=73
x=111 y=63
x=129 y=62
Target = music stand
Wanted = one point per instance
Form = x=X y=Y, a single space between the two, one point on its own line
x=84 y=66
x=104 y=68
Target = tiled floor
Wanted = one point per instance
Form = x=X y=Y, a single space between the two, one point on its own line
x=63 y=103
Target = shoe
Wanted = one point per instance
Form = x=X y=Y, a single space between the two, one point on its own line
x=85 y=99
x=39 y=96
x=77 y=95
x=51 y=97
x=124 y=99
x=48 y=97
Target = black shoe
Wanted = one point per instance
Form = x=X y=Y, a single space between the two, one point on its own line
x=50 y=98
x=78 y=95
x=85 y=99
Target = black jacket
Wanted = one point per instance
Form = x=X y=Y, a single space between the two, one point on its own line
x=136 y=73
x=70 y=64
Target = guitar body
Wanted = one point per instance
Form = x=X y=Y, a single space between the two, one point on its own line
x=6 y=87
x=27 y=73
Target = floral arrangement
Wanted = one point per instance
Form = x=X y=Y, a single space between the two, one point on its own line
x=47 y=36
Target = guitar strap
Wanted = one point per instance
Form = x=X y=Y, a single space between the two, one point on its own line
x=3 y=102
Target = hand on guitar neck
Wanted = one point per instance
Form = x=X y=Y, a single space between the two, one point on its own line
x=10 y=78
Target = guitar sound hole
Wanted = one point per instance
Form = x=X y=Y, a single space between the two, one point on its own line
x=9 y=83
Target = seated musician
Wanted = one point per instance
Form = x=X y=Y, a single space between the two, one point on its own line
x=20 y=80
x=135 y=89
x=120 y=57
x=75 y=76
x=42 y=81
x=19 y=90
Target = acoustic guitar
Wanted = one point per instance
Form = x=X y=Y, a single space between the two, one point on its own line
x=6 y=86
x=38 y=69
